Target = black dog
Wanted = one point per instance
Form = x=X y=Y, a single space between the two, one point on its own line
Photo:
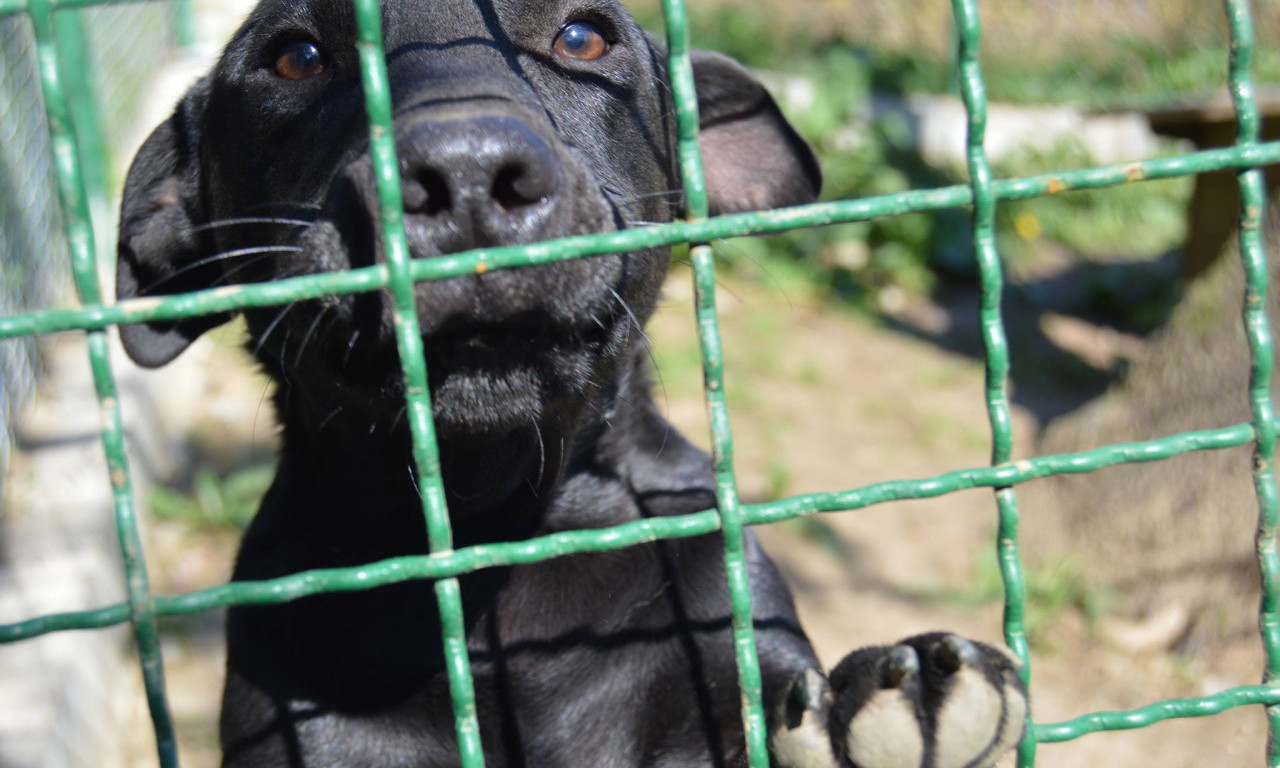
x=516 y=121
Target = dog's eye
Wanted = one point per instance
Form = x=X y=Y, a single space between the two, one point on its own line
x=300 y=60
x=582 y=41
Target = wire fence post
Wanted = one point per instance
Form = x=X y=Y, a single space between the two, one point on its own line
x=378 y=102
x=80 y=240
x=184 y=24
x=680 y=71
x=995 y=342
x=1253 y=202
x=73 y=51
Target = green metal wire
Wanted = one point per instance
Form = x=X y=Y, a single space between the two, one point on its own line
x=1168 y=709
x=236 y=297
x=680 y=71
x=184 y=23
x=478 y=557
x=8 y=7
x=1258 y=330
x=445 y=564
x=80 y=239
x=73 y=48
x=973 y=90
x=997 y=349
x=386 y=167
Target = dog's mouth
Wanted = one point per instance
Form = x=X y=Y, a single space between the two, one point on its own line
x=499 y=342
x=495 y=376
x=524 y=341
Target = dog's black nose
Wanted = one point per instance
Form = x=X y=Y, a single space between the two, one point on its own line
x=477 y=182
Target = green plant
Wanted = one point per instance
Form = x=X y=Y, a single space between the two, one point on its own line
x=834 y=73
x=215 y=501
x=1095 y=224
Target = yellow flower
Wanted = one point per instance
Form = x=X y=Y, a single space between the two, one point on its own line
x=1028 y=226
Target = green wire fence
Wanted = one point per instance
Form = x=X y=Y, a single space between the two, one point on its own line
x=65 y=89
x=32 y=259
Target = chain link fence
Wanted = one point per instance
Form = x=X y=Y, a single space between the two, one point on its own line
x=116 y=47
x=33 y=267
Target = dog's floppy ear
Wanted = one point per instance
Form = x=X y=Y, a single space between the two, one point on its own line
x=159 y=241
x=753 y=158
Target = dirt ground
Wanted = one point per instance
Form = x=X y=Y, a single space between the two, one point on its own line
x=822 y=399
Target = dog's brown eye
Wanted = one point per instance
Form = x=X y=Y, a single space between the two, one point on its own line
x=300 y=60
x=582 y=41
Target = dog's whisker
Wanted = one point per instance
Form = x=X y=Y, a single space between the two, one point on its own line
x=647 y=343
x=266 y=388
x=675 y=195
x=351 y=345
x=284 y=346
x=284 y=206
x=413 y=478
x=720 y=284
x=297 y=359
x=738 y=253
x=395 y=422
x=275 y=322
x=250 y=220
x=635 y=321
x=666 y=434
x=604 y=417
x=258 y=251
x=542 y=454
x=281 y=275
x=333 y=414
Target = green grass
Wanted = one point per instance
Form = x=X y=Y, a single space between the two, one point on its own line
x=1054 y=588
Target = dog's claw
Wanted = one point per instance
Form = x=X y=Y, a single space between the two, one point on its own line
x=801 y=739
x=954 y=653
x=901 y=662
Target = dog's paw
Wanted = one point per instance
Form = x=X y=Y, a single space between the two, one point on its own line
x=931 y=701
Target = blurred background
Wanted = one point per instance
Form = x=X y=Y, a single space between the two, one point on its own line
x=854 y=356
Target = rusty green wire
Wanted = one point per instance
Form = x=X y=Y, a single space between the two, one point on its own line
x=478 y=557
x=1258 y=330
x=236 y=297
x=445 y=564
x=995 y=342
x=73 y=197
x=386 y=169
x=680 y=71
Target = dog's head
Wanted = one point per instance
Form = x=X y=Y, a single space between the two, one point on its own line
x=515 y=121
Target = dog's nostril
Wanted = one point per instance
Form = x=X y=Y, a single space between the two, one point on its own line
x=514 y=186
x=425 y=193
